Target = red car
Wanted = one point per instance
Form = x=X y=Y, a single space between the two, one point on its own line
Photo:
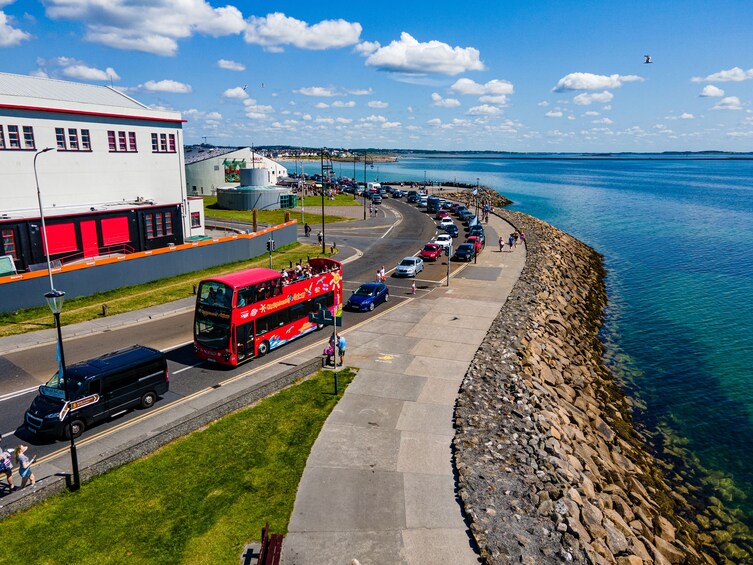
x=442 y=214
x=478 y=245
x=431 y=252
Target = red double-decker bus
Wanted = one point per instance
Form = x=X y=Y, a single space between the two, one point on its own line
x=247 y=314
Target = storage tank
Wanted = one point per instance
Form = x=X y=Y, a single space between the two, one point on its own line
x=258 y=197
x=255 y=177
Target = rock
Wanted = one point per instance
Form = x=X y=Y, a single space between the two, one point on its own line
x=669 y=551
x=630 y=560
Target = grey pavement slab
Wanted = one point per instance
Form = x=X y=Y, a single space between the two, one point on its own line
x=425 y=453
x=367 y=411
x=421 y=417
x=355 y=447
x=439 y=391
x=424 y=509
x=450 y=369
x=458 y=335
x=446 y=348
x=388 y=385
x=340 y=548
x=438 y=547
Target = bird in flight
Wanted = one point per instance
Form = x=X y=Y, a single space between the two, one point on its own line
x=648 y=59
x=245 y=86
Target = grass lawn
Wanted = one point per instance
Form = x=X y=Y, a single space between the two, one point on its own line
x=196 y=500
x=312 y=204
x=131 y=298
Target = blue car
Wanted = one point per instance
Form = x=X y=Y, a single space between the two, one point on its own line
x=368 y=296
x=452 y=230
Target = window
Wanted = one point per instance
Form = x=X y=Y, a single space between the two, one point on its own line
x=122 y=141
x=2 y=138
x=168 y=223
x=132 y=141
x=14 y=141
x=73 y=139
x=86 y=143
x=195 y=218
x=9 y=243
x=149 y=225
x=29 y=137
x=155 y=143
x=158 y=222
x=62 y=238
x=111 y=141
x=163 y=142
x=115 y=230
x=171 y=140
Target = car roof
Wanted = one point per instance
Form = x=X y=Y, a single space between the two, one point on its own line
x=409 y=258
x=465 y=245
x=371 y=285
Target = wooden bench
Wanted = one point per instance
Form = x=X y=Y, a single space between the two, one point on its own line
x=271 y=547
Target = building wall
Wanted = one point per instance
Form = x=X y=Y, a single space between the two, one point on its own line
x=29 y=293
x=204 y=177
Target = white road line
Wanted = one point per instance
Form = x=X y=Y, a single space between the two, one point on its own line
x=187 y=367
x=16 y=394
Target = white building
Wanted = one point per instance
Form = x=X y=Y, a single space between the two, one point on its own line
x=210 y=168
x=112 y=181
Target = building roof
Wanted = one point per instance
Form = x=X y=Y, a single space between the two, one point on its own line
x=25 y=87
x=196 y=153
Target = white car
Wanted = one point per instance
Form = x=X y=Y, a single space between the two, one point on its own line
x=445 y=240
x=445 y=222
x=409 y=267
x=422 y=201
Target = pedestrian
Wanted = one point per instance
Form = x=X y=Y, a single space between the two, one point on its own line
x=320 y=236
x=381 y=274
x=378 y=276
x=413 y=287
x=6 y=466
x=307 y=230
x=341 y=349
x=511 y=241
x=501 y=244
x=515 y=237
x=24 y=465
x=371 y=209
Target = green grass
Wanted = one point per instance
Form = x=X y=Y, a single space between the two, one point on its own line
x=311 y=205
x=196 y=500
x=130 y=298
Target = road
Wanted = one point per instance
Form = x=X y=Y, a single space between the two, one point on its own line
x=398 y=231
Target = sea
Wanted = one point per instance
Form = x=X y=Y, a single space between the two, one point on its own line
x=676 y=233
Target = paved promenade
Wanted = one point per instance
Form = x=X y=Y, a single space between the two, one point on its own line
x=379 y=484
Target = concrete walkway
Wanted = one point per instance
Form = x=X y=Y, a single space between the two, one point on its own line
x=379 y=484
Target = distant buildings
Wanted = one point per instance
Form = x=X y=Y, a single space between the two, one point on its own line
x=209 y=168
x=113 y=181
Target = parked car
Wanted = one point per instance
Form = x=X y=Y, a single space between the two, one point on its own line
x=431 y=252
x=412 y=197
x=441 y=214
x=376 y=199
x=446 y=205
x=368 y=296
x=452 y=230
x=444 y=222
x=409 y=267
x=476 y=242
x=397 y=193
x=454 y=206
x=464 y=252
x=465 y=216
x=443 y=239
x=476 y=230
x=422 y=201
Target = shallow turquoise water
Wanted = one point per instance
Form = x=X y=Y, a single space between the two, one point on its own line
x=677 y=237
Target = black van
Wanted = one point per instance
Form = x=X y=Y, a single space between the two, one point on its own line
x=102 y=387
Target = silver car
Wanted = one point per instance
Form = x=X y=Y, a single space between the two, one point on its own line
x=409 y=267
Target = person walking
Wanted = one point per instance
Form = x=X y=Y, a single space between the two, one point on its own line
x=381 y=274
x=413 y=287
x=307 y=230
x=6 y=466
x=320 y=236
x=501 y=244
x=24 y=465
x=511 y=241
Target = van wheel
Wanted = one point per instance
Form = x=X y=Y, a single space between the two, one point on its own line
x=263 y=348
x=75 y=428
x=148 y=400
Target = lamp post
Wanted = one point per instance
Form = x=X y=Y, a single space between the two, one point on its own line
x=477 y=197
x=54 y=300
x=41 y=214
x=364 y=185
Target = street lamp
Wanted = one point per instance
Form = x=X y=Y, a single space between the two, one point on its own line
x=54 y=300
x=41 y=215
x=364 y=185
x=477 y=197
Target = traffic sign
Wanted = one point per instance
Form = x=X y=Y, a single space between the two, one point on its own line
x=74 y=405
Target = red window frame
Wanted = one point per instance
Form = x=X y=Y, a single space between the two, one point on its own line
x=122 y=144
x=160 y=231
x=155 y=143
x=111 y=141
x=149 y=226
x=73 y=139
x=28 y=137
x=9 y=243
x=132 y=141
x=168 y=223
x=14 y=140
x=2 y=138
x=86 y=143
x=171 y=142
x=195 y=219
x=163 y=142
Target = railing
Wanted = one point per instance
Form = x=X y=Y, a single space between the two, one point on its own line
x=119 y=249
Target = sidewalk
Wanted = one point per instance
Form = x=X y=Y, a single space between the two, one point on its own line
x=379 y=484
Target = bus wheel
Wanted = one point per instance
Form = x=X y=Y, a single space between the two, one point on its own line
x=75 y=429
x=263 y=348
x=148 y=400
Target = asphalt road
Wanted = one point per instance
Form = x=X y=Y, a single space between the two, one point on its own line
x=398 y=231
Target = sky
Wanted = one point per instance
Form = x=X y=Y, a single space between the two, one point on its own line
x=500 y=75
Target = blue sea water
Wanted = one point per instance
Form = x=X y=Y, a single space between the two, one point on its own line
x=677 y=240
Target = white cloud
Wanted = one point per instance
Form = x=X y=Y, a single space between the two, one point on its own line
x=591 y=113
x=728 y=103
x=321 y=120
x=366 y=48
x=343 y=104
x=494 y=87
x=484 y=110
x=321 y=105
x=343 y=120
x=377 y=104
x=554 y=114
x=316 y=91
x=498 y=100
x=444 y=102
x=166 y=86
x=230 y=65
x=152 y=27
x=373 y=118
x=407 y=55
x=683 y=116
x=390 y=125
x=740 y=134
x=584 y=98
x=359 y=92
x=9 y=35
x=711 y=91
x=543 y=104
x=275 y=30
x=238 y=93
x=589 y=81
x=84 y=72
x=435 y=122
x=602 y=121
x=735 y=74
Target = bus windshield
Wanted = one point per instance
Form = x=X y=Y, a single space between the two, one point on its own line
x=212 y=333
x=213 y=293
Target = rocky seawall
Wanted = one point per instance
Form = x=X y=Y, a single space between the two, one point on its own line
x=550 y=467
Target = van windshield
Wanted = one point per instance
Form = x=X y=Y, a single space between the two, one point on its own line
x=56 y=383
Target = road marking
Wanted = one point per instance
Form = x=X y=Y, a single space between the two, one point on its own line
x=17 y=393
x=188 y=367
